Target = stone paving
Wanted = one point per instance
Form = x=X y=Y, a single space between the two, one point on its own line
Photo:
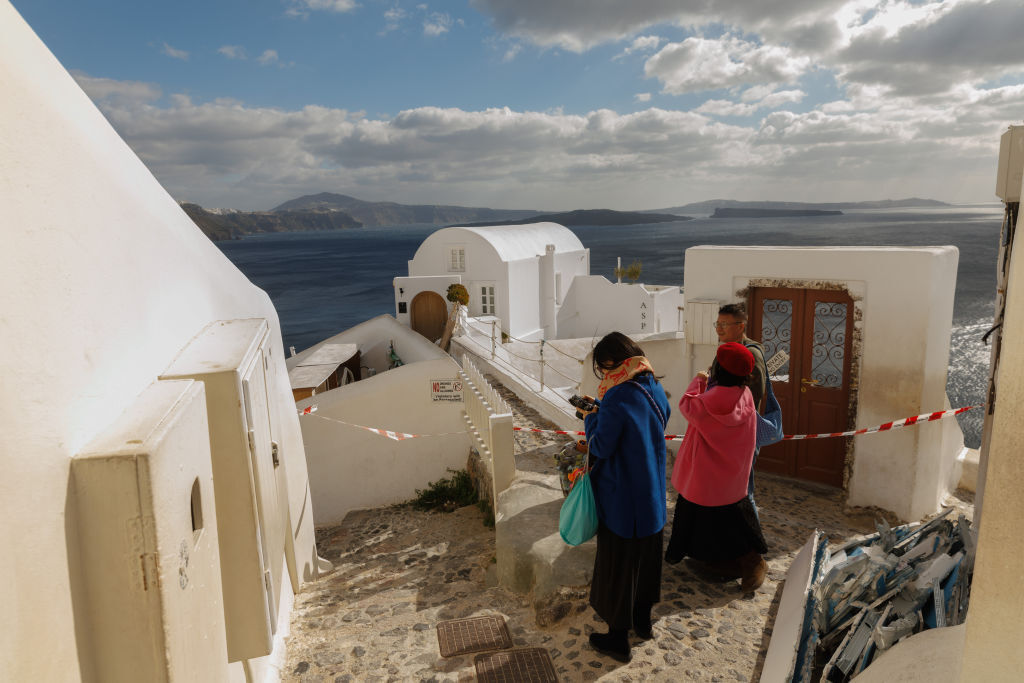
x=398 y=572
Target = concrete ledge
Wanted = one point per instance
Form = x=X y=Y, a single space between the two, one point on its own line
x=531 y=556
x=968 y=462
x=931 y=656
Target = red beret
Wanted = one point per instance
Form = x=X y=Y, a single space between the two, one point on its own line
x=735 y=358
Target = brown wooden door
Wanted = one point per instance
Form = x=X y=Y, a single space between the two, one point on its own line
x=428 y=314
x=813 y=387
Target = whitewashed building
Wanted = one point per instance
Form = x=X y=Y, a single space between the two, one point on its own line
x=155 y=498
x=867 y=330
x=517 y=273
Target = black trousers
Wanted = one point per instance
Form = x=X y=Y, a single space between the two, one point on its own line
x=627 y=575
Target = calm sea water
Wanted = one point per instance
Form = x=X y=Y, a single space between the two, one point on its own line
x=323 y=283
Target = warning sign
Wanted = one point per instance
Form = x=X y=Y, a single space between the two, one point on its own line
x=446 y=390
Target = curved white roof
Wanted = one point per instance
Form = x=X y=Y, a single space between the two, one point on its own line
x=514 y=242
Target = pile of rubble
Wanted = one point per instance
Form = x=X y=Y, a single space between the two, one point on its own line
x=867 y=595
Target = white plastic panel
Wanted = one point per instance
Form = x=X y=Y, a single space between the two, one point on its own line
x=144 y=508
x=1011 y=164
x=700 y=316
x=229 y=357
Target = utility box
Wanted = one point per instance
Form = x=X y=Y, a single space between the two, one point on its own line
x=230 y=358
x=149 y=560
x=1011 y=164
x=700 y=316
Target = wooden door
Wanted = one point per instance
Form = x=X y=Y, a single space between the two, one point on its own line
x=428 y=314
x=814 y=327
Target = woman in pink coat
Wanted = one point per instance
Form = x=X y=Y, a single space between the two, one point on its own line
x=714 y=521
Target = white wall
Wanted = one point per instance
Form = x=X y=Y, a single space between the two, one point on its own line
x=594 y=306
x=351 y=468
x=521 y=299
x=905 y=296
x=373 y=338
x=406 y=289
x=103 y=279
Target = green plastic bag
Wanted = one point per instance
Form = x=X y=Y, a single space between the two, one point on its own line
x=577 y=520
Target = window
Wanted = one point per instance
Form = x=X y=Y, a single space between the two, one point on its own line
x=487 y=300
x=457 y=260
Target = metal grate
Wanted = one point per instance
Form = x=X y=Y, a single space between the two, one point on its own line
x=528 y=665
x=475 y=634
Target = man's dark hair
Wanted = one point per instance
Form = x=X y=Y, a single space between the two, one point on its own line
x=738 y=311
x=613 y=349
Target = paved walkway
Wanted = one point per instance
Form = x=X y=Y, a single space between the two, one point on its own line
x=398 y=572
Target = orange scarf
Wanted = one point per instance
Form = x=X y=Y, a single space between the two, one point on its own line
x=625 y=371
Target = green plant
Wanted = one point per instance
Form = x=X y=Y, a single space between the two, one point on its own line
x=630 y=272
x=488 y=513
x=458 y=294
x=447 y=494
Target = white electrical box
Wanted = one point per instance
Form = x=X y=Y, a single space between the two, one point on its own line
x=700 y=316
x=1011 y=164
x=230 y=358
x=148 y=558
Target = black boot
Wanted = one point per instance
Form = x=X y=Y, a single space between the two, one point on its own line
x=642 y=621
x=615 y=644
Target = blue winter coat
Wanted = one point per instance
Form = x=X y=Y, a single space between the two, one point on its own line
x=627 y=438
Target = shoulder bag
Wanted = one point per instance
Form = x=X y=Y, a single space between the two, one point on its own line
x=769 y=425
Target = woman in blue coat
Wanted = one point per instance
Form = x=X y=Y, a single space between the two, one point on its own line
x=626 y=439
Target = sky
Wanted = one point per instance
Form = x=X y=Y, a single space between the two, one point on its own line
x=551 y=104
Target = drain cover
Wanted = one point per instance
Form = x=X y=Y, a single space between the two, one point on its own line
x=528 y=665
x=475 y=634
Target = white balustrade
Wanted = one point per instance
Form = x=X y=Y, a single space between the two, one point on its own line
x=491 y=418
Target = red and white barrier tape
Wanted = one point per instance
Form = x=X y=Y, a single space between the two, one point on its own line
x=896 y=424
x=387 y=433
x=905 y=422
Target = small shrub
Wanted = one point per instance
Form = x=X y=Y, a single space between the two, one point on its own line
x=458 y=294
x=447 y=494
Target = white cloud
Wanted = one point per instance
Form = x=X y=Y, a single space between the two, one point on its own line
x=699 y=64
x=640 y=44
x=302 y=8
x=225 y=153
x=642 y=97
x=232 y=51
x=268 y=57
x=579 y=25
x=393 y=18
x=174 y=53
x=121 y=94
x=436 y=24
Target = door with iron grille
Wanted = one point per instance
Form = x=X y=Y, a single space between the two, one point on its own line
x=814 y=327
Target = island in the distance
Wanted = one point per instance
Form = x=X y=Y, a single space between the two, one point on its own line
x=771 y=213
x=589 y=217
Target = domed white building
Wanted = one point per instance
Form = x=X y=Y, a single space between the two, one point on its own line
x=517 y=273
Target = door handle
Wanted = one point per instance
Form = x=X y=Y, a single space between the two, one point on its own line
x=808 y=382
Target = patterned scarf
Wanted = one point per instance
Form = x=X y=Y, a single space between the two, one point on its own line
x=625 y=371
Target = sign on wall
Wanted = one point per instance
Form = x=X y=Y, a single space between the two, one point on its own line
x=446 y=390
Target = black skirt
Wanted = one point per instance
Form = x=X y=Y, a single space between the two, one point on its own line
x=715 y=534
x=627 y=576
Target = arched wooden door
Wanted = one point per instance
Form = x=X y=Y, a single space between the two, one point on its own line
x=428 y=314
x=815 y=328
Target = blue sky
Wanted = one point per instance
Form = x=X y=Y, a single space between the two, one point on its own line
x=551 y=104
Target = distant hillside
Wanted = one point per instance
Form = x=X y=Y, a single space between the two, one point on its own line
x=590 y=217
x=390 y=213
x=772 y=213
x=235 y=224
x=709 y=206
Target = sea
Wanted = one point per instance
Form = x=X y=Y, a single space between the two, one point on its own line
x=325 y=282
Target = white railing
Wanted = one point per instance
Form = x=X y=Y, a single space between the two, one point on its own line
x=491 y=420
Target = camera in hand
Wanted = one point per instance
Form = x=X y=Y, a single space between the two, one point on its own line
x=581 y=403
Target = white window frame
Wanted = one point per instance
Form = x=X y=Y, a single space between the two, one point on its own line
x=457 y=259
x=488 y=301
